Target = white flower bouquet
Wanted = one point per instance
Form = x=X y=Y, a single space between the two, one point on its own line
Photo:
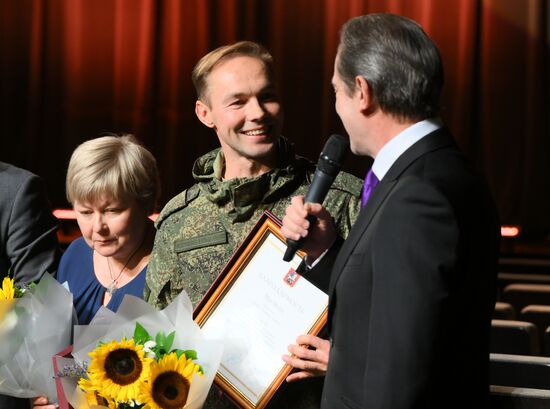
x=139 y=358
x=34 y=325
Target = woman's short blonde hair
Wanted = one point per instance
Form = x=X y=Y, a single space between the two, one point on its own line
x=113 y=165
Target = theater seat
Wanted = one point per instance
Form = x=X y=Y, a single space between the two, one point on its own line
x=509 y=397
x=506 y=278
x=540 y=316
x=520 y=371
x=514 y=337
x=522 y=295
x=547 y=341
x=504 y=311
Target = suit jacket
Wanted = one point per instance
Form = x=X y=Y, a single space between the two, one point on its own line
x=28 y=240
x=412 y=288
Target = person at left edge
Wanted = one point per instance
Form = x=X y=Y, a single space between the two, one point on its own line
x=28 y=236
x=113 y=185
x=28 y=239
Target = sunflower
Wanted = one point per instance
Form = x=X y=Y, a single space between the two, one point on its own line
x=5 y=306
x=169 y=383
x=117 y=370
x=95 y=399
x=7 y=292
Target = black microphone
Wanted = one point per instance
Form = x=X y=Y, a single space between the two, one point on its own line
x=330 y=162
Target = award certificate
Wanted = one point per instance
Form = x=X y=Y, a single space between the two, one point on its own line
x=258 y=306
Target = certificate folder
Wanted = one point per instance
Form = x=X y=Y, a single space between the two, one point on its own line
x=257 y=306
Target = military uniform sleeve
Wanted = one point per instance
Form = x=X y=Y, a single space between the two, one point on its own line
x=160 y=271
x=343 y=202
x=163 y=269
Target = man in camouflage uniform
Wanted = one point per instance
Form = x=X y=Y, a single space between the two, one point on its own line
x=254 y=170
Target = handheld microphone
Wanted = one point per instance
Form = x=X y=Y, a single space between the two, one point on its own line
x=329 y=164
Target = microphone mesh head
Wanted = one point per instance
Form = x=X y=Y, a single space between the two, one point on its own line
x=333 y=155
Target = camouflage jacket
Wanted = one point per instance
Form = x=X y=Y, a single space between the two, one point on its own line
x=199 y=229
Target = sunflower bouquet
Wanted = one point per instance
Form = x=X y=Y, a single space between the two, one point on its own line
x=35 y=322
x=126 y=367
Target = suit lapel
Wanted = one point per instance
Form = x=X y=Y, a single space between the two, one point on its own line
x=433 y=141
x=365 y=217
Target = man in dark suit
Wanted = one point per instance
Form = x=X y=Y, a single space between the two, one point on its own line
x=412 y=288
x=28 y=240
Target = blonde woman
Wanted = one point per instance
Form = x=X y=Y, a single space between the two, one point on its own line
x=112 y=183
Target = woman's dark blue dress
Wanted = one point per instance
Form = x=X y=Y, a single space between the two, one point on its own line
x=77 y=269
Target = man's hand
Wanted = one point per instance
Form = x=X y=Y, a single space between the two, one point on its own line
x=311 y=355
x=318 y=236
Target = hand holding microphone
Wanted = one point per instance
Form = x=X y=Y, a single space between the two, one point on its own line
x=299 y=217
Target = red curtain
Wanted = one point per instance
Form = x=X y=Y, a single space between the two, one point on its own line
x=73 y=69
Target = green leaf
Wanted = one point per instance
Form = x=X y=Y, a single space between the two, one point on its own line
x=141 y=336
x=169 y=340
x=158 y=353
x=159 y=338
x=190 y=354
x=161 y=341
x=18 y=293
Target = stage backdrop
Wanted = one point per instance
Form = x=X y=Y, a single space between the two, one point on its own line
x=73 y=69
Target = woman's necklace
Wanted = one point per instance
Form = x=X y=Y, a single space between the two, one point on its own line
x=112 y=288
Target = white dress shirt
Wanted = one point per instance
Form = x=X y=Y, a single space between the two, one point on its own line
x=392 y=150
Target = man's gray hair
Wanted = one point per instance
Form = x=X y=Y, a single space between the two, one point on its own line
x=401 y=64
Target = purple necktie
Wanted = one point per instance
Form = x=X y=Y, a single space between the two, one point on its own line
x=368 y=187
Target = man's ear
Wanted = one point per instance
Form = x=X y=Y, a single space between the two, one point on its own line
x=203 y=113
x=366 y=103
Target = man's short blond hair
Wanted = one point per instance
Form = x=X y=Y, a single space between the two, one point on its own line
x=241 y=49
x=113 y=165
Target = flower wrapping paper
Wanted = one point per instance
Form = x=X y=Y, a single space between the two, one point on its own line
x=37 y=326
x=108 y=326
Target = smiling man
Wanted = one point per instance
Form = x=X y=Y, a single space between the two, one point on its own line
x=255 y=169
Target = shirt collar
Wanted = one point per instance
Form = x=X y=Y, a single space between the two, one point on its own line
x=392 y=150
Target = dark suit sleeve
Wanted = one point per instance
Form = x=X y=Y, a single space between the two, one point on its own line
x=413 y=256
x=31 y=243
x=319 y=275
